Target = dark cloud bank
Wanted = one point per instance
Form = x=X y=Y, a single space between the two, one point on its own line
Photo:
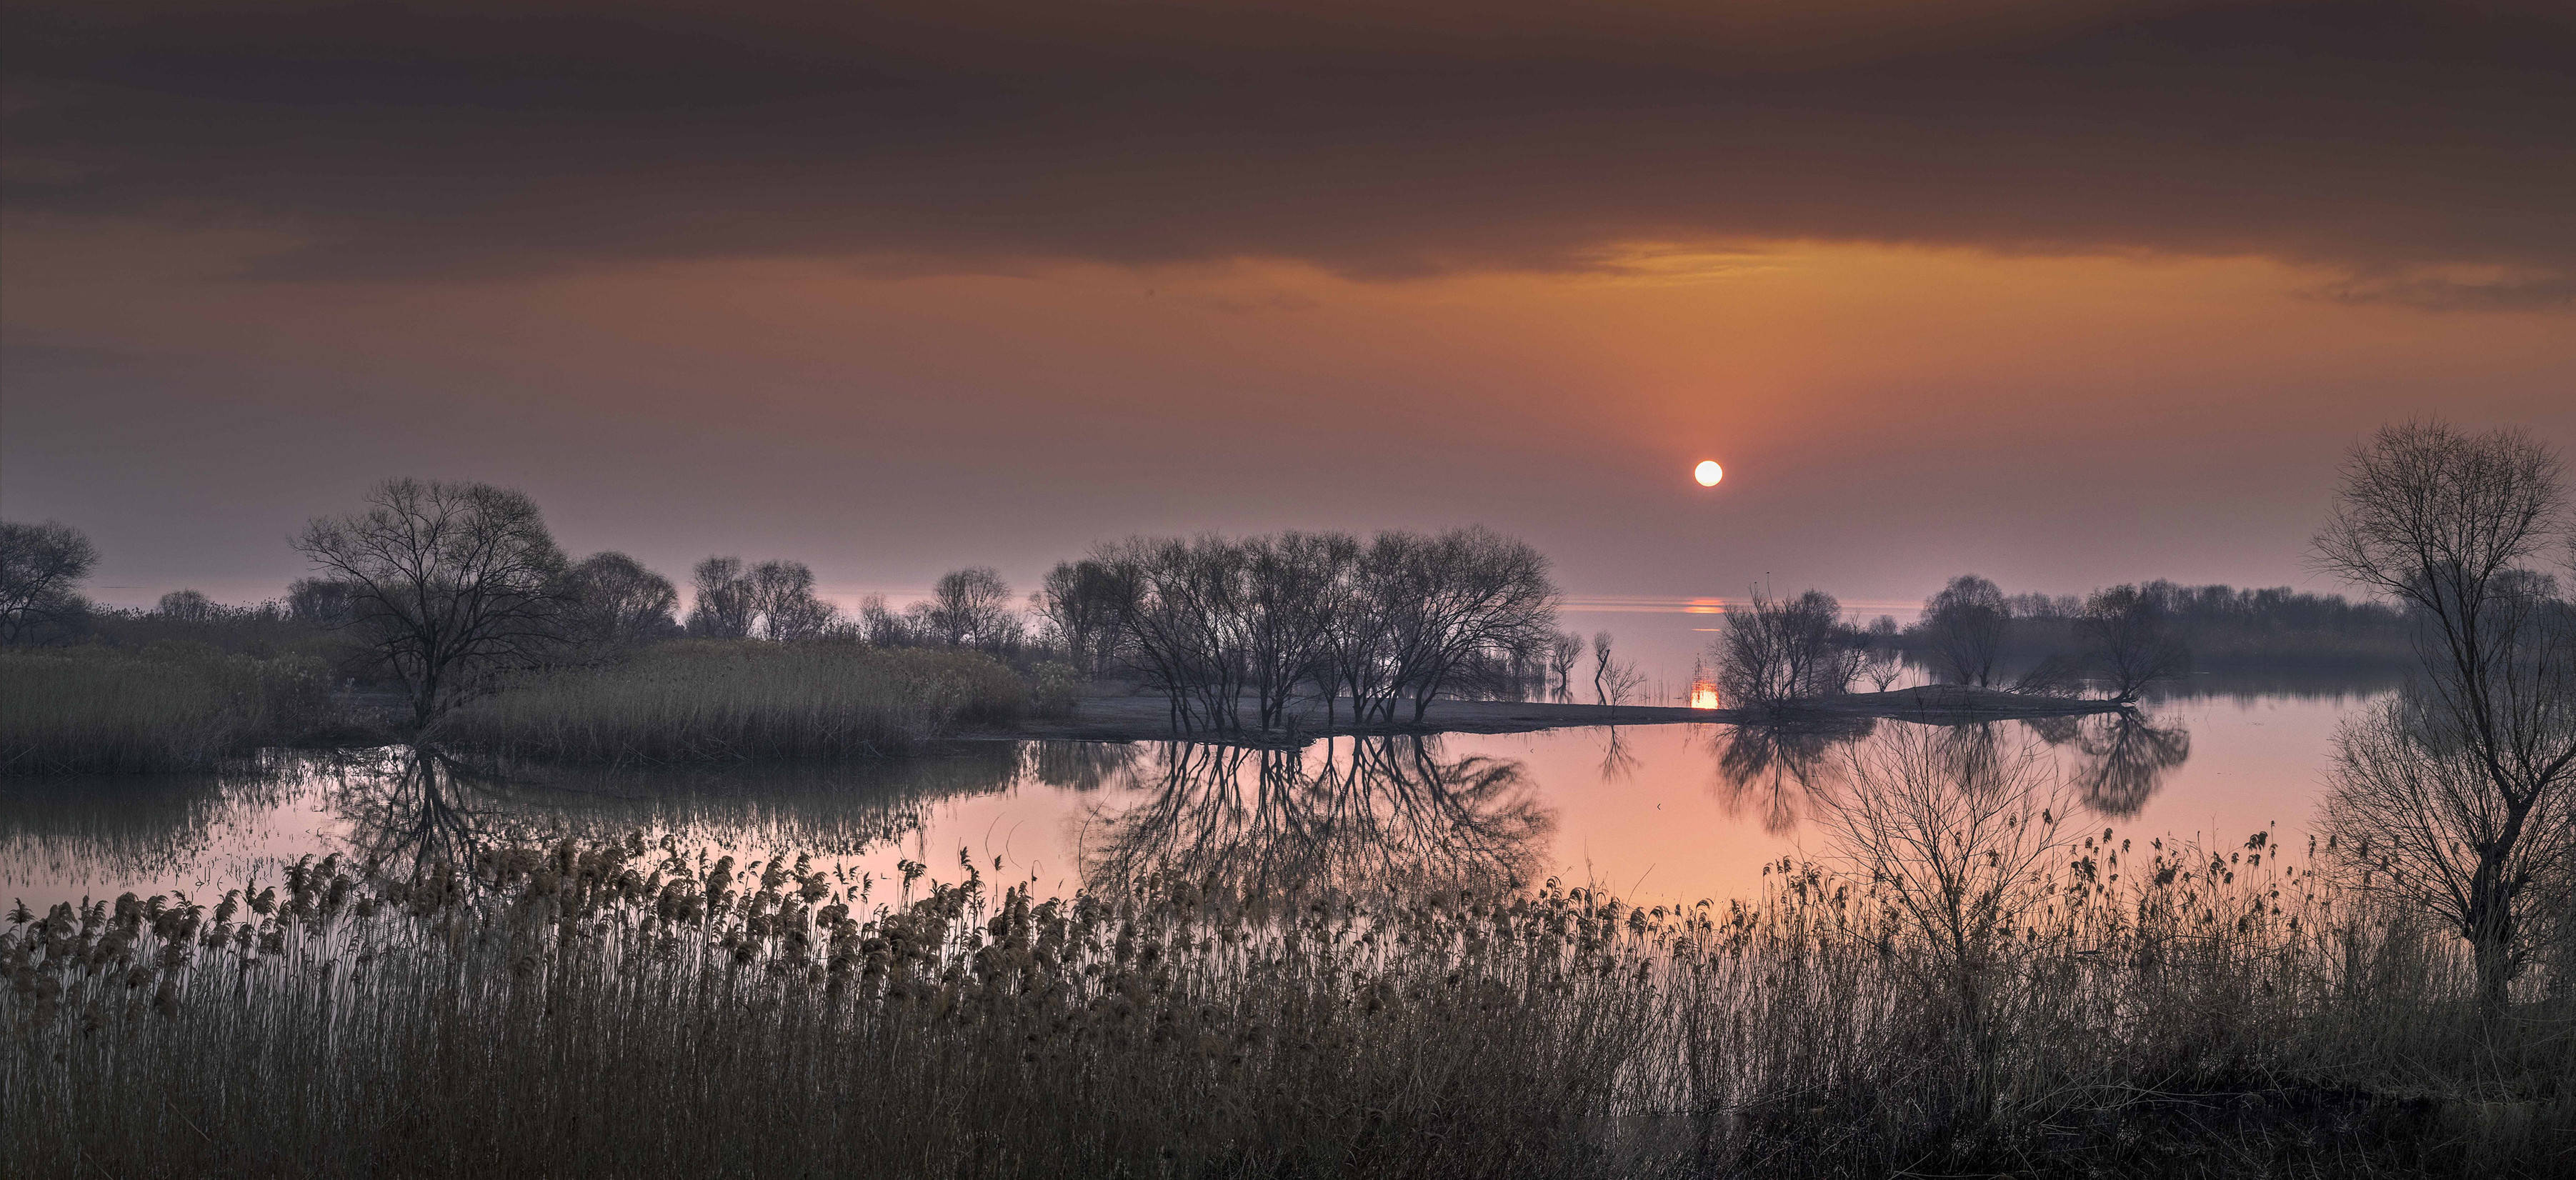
x=2427 y=151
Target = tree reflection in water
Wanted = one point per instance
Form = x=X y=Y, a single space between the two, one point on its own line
x=1082 y=766
x=2114 y=761
x=1365 y=815
x=409 y=810
x=418 y=810
x=2123 y=758
x=1775 y=770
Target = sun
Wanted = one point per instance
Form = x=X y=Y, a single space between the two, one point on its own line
x=1708 y=473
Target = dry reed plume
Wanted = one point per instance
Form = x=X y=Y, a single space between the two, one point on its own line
x=621 y=1009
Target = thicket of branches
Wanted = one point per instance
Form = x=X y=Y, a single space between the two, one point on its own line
x=1219 y=625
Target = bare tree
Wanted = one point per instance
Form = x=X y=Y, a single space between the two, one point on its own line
x=1965 y=622
x=782 y=602
x=1954 y=832
x=2132 y=640
x=40 y=565
x=1083 y=603
x=1288 y=613
x=1779 y=650
x=449 y=581
x=1883 y=661
x=321 y=602
x=880 y=625
x=613 y=601
x=2458 y=795
x=723 y=600
x=186 y=606
x=1564 y=651
x=1185 y=628
x=1613 y=681
x=972 y=608
x=1461 y=597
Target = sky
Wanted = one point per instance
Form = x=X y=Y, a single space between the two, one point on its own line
x=2063 y=292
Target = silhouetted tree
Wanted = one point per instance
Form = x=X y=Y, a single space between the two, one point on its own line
x=449 y=582
x=40 y=567
x=1083 y=603
x=1463 y=596
x=1778 y=650
x=972 y=608
x=321 y=602
x=782 y=603
x=186 y=606
x=613 y=601
x=1953 y=832
x=1883 y=660
x=2132 y=640
x=722 y=606
x=1965 y=623
x=880 y=626
x=1288 y=614
x=1613 y=682
x=1564 y=651
x=2461 y=794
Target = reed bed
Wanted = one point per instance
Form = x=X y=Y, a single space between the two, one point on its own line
x=620 y=1009
x=165 y=707
x=719 y=701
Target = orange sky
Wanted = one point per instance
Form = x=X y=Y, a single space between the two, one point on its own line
x=1997 y=294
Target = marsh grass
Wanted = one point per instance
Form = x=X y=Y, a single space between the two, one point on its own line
x=617 y=1008
x=165 y=707
x=716 y=701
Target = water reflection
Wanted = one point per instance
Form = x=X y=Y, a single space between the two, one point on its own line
x=2123 y=757
x=113 y=828
x=417 y=810
x=1363 y=814
x=407 y=810
x=1773 y=771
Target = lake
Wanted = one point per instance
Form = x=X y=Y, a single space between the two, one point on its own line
x=1668 y=813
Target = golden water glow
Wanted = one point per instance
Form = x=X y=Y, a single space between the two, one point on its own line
x=1708 y=473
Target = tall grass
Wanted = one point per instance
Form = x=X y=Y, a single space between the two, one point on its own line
x=710 y=700
x=618 y=1009
x=166 y=707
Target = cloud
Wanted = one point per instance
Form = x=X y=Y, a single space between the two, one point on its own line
x=2372 y=136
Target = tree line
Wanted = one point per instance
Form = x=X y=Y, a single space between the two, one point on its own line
x=1778 y=651
x=1217 y=624
x=447 y=585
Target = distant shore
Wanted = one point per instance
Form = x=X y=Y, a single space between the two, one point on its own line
x=1148 y=718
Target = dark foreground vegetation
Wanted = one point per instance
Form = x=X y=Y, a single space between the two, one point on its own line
x=618 y=1009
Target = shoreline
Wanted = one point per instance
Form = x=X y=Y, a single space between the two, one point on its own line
x=1148 y=718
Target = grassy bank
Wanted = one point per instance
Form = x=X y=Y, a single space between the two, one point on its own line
x=618 y=1010
x=709 y=701
x=163 y=707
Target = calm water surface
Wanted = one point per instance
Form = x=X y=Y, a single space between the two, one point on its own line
x=1658 y=813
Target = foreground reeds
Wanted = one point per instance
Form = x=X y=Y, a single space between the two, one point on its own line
x=620 y=1009
x=712 y=701
x=165 y=707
